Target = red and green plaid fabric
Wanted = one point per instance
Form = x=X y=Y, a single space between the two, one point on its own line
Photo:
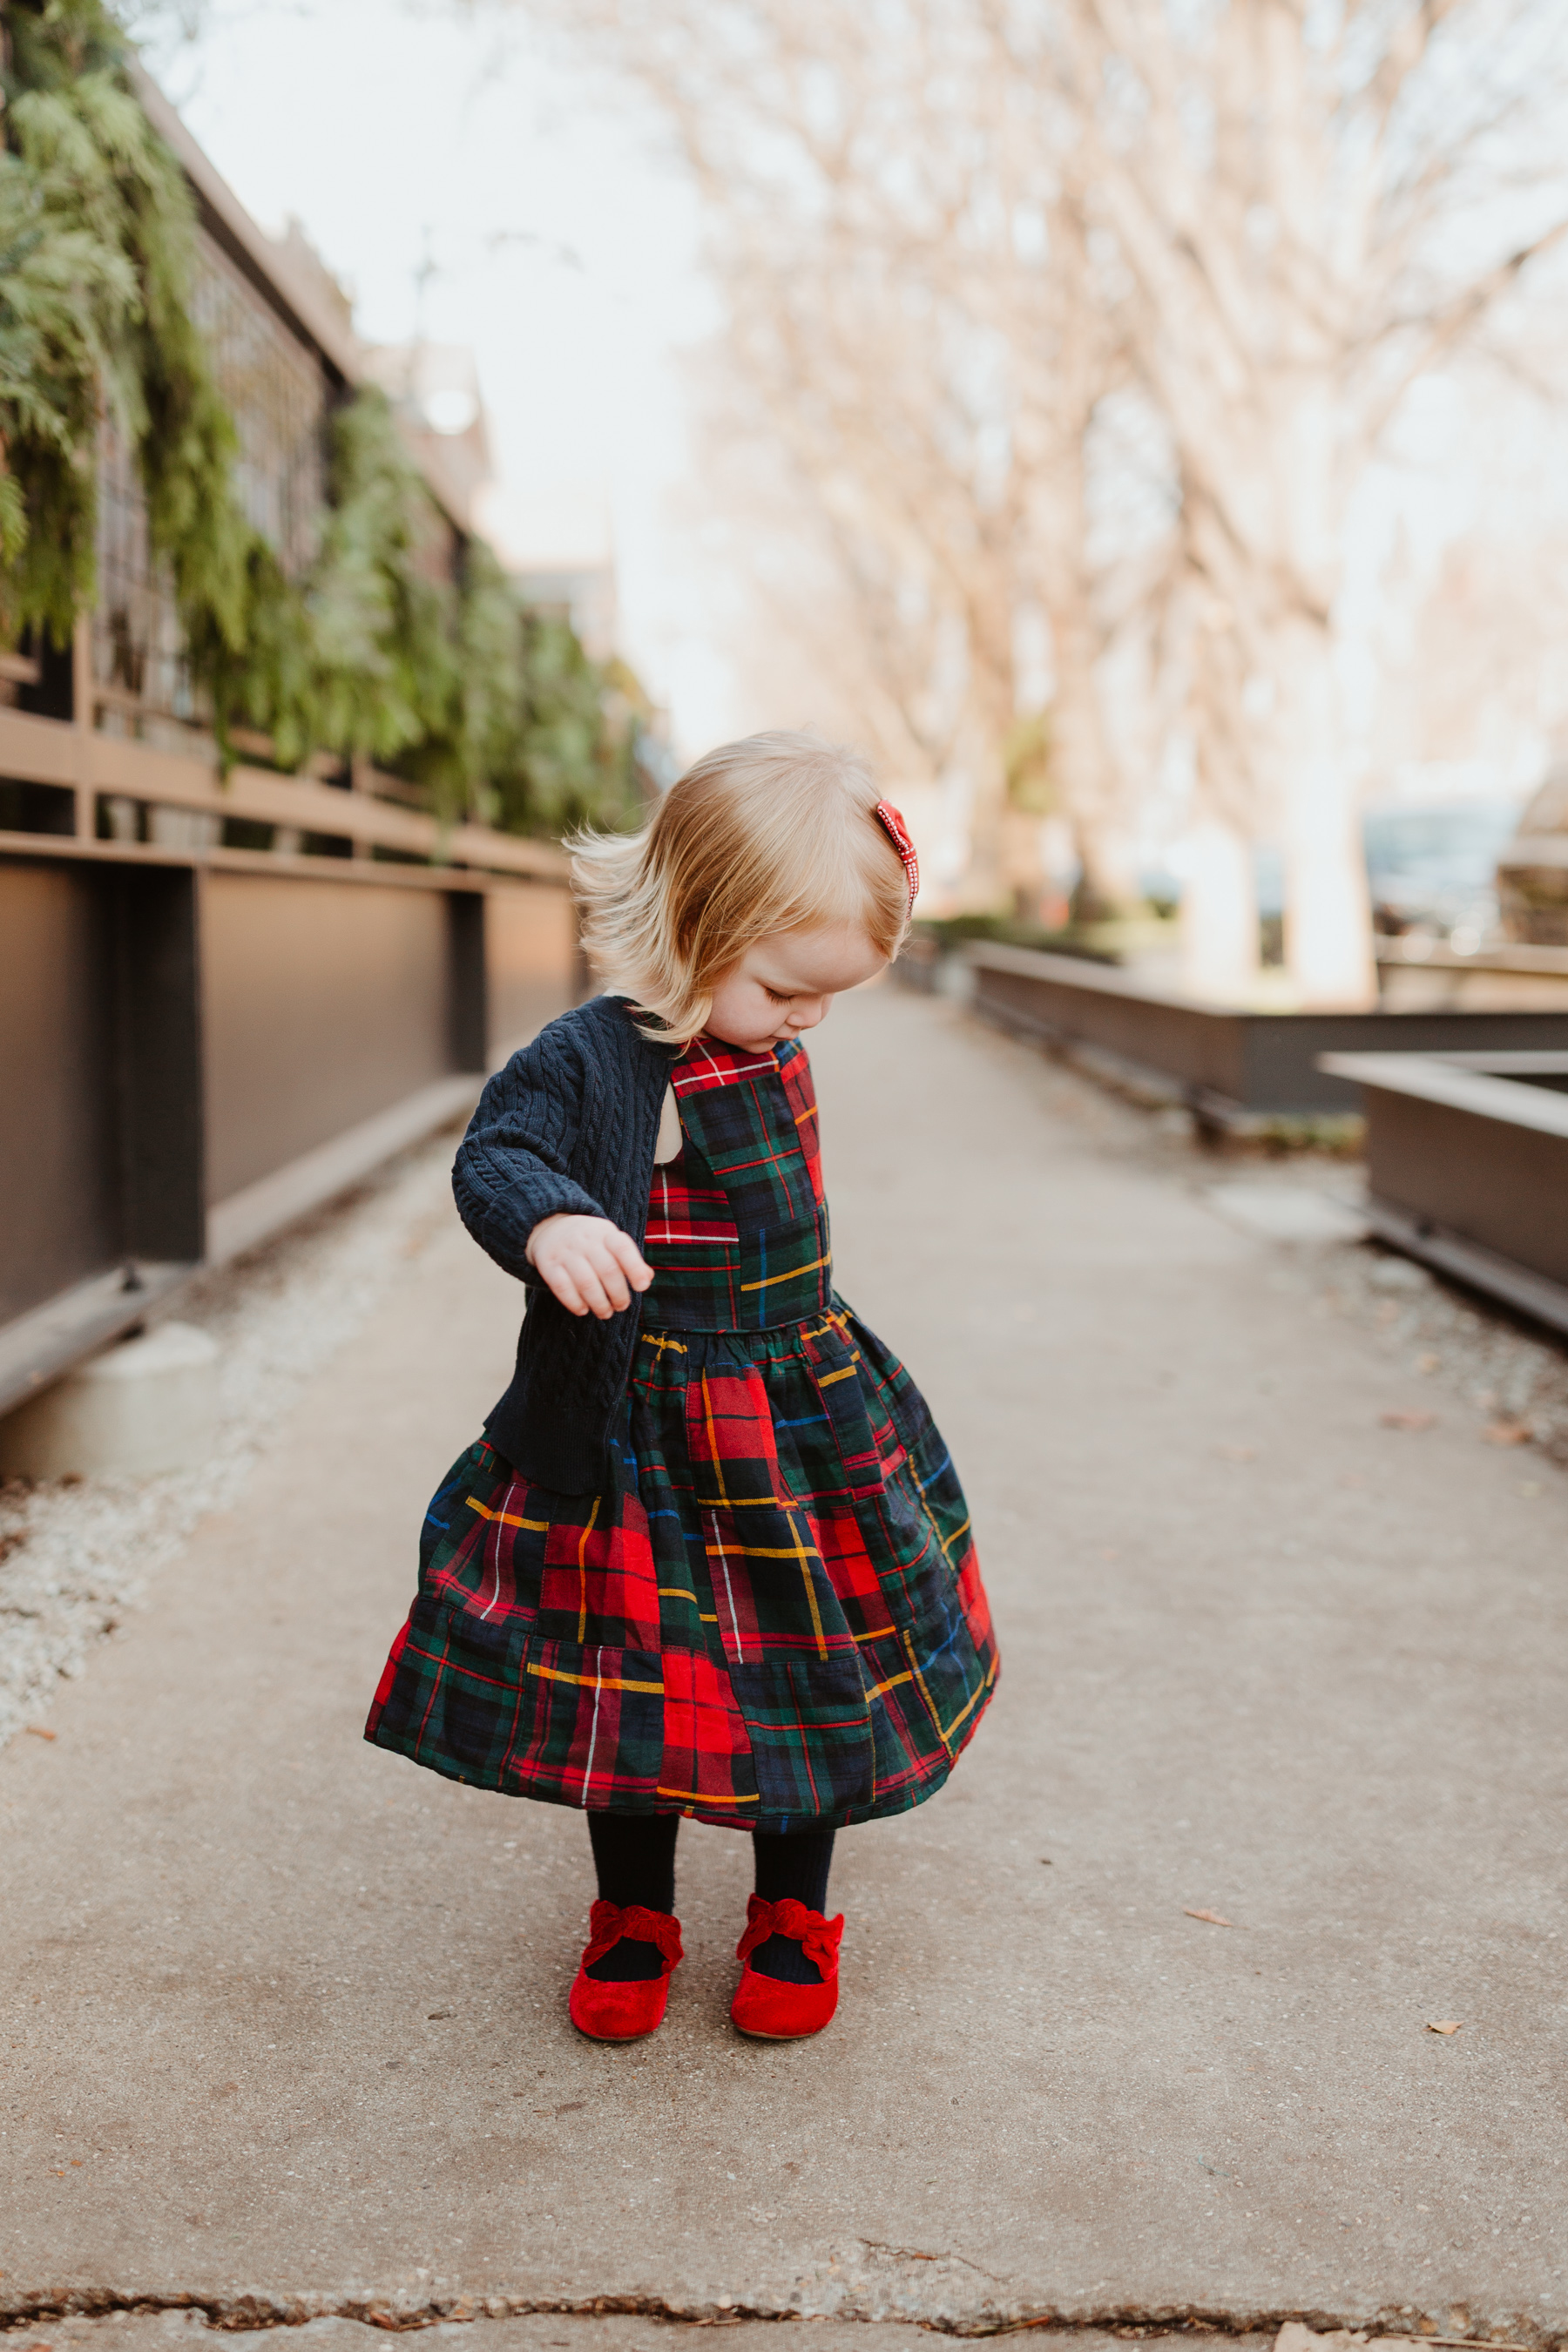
x=737 y=1225
x=774 y=1616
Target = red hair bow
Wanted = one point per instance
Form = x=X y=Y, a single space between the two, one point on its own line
x=898 y=832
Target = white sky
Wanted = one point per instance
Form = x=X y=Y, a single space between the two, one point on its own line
x=564 y=252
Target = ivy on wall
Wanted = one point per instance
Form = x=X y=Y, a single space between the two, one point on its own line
x=495 y=711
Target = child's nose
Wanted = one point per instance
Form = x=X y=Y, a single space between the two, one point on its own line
x=808 y=1014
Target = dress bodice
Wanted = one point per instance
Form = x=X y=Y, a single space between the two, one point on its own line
x=737 y=1226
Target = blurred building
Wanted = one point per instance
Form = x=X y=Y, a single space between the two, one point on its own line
x=435 y=390
x=556 y=540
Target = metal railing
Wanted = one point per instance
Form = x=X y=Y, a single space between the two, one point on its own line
x=199 y=1042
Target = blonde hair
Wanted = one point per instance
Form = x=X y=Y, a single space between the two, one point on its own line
x=773 y=833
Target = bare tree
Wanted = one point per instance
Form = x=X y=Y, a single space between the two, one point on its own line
x=1316 y=205
x=950 y=230
x=913 y=317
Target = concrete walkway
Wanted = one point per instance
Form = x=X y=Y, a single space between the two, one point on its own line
x=285 y=2019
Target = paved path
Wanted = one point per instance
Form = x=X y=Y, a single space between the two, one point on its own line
x=286 y=2017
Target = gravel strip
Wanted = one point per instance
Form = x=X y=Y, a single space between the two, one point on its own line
x=1514 y=1380
x=76 y=1555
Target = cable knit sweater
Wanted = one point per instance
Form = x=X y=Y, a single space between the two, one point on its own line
x=569 y=1127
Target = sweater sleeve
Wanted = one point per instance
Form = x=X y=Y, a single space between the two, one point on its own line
x=511 y=1166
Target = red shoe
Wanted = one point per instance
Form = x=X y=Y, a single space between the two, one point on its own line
x=623 y=2012
x=765 y=2007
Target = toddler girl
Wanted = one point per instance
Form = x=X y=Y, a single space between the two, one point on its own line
x=711 y=1557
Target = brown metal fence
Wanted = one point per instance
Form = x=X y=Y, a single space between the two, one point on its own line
x=197 y=1043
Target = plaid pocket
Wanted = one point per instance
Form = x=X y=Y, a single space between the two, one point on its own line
x=907 y=1740
x=450 y=1695
x=482 y=1550
x=811 y=1736
x=594 y=1726
x=707 y=1754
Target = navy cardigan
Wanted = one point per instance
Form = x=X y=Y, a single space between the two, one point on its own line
x=569 y=1127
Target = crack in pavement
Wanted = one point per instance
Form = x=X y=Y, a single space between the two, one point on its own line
x=253 y=2312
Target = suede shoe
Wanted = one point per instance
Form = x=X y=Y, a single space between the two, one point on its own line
x=609 y=2012
x=765 y=2007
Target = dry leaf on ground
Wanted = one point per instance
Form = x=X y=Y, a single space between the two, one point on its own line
x=39 y=1732
x=1508 y=1433
x=1445 y=2025
x=1214 y=1918
x=1407 y=1420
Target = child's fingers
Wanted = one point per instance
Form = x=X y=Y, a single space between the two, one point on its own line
x=610 y=1279
x=562 y=1287
x=585 y=1275
x=589 y=1272
x=631 y=1261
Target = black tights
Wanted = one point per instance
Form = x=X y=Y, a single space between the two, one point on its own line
x=634 y=1854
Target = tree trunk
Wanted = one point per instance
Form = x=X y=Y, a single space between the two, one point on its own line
x=1219 y=914
x=1026 y=867
x=1108 y=886
x=979 y=767
x=1327 y=905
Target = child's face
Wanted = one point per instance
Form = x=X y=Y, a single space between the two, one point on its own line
x=786 y=984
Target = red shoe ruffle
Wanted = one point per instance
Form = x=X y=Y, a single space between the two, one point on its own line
x=623 y=2012
x=766 y=2007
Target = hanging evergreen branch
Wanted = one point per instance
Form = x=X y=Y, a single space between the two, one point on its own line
x=385 y=633
x=495 y=712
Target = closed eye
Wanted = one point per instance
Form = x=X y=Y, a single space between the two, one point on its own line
x=779 y=996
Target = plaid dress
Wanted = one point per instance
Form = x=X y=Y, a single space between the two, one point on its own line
x=773 y=1615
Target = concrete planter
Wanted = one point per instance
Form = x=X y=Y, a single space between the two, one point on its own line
x=1468 y=1167
x=1233 y=1069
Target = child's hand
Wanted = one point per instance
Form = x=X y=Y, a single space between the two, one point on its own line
x=589 y=1265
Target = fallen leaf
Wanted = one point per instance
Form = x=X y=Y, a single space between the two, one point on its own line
x=1445 y=2025
x=1429 y=1363
x=39 y=1731
x=1509 y=1432
x=1407 y=1420
x=440 y=2012
x=1236 y=1452
x=1214 y=1918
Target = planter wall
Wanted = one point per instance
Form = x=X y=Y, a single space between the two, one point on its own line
x=1230 y=1067
x=197 y=1047
x=1468 y=1167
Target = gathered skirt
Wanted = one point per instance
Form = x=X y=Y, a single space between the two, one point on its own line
x=772 y=1617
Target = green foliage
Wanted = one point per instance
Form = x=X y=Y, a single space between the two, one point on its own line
x=377 y=651
x=100 y=223
x=577 y=746
x=70 y=301
x=386 y=633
